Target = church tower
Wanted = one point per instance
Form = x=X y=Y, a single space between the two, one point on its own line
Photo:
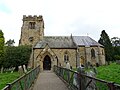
x=32 y=30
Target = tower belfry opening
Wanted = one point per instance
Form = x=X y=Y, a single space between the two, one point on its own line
x=32 y=25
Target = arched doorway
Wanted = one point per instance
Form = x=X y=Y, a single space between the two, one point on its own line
x=47 y=63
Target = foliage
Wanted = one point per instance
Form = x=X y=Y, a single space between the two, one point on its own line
x=16 y=56
x=105 y=41
x=2 y=40
x=110 y=72
x=117 y=52
x=117 y=57
x=10 y=42
x=7 y=78
x=115 y=41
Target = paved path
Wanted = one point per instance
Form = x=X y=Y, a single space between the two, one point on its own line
x=48 y=80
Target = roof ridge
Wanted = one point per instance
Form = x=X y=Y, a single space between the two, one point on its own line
x=56 y=36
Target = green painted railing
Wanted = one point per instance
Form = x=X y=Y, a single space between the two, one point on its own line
x=24 y=82
x=83 y=82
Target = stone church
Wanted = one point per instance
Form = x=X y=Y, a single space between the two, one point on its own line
x=58 y=50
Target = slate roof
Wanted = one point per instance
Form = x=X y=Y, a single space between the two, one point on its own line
x=56 y=42
x=66 y=42
x=85 y=41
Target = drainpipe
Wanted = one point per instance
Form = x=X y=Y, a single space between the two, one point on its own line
x=32 y=57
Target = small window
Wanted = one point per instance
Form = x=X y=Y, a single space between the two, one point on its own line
x=92 y=53
x=31 y=39
x=66 y=57
x=32 y=25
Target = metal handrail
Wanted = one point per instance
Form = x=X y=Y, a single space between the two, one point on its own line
x=84 y=82
x=24 y=82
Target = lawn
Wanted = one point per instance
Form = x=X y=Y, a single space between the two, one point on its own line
x=7 y=78
x=109 y=73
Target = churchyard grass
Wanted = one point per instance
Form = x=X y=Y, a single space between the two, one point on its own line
x=7 y=78
x=109 y=73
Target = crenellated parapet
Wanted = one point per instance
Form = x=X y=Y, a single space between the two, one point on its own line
x=32 y=18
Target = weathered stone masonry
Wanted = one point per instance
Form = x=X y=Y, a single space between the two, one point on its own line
x=57 y=50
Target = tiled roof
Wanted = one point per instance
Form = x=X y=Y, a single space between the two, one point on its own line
x=66 y=42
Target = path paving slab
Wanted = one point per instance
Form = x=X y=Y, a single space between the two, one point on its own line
x=48 y=80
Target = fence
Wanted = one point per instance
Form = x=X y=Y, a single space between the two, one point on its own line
x=24 y=82
x=80 y=81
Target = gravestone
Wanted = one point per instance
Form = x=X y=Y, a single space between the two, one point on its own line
x=92 y=85
x=2 y=70
x=13 y=68
x=24 y=68
x=75 y=79
x=20 y=70
x=68 y=73
x=118 y=61
x=81 y=79
x=68 y=65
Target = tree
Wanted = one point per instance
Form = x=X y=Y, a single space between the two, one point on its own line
x=105 y=41
x=2 y=40
x=16 y=56
x=115 y=41
x=10 y=42
x=116 y=46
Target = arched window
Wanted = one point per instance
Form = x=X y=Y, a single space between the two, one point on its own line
x=66 y=57
x=92 y=53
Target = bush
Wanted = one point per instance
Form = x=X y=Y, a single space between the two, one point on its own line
x=117 y=57
x=16 y=56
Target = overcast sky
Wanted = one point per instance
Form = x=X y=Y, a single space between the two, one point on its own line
x=62 y=17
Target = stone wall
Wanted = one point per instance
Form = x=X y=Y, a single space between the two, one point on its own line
x=71 y=53
x=102 y=56
x=31 y=36
x=85 y=55
x=52 y=53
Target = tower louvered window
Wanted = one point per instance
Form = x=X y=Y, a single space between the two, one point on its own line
x=31 y=25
